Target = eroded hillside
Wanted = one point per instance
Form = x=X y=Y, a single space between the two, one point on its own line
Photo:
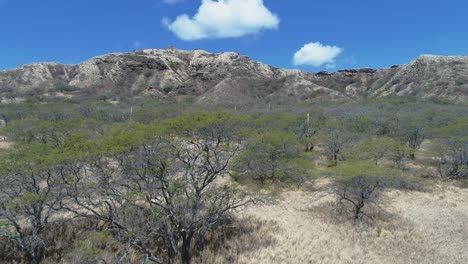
x=233 y=78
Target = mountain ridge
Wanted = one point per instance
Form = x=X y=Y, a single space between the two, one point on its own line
x=230 y=77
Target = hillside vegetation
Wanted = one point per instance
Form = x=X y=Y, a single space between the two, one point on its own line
x=139 y=180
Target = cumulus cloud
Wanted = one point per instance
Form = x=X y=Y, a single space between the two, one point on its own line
x=224 y=19
x=316 y=54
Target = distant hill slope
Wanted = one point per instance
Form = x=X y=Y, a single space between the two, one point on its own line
x=230 y=77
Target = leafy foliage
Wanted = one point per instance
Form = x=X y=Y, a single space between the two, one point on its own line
x=272 y=157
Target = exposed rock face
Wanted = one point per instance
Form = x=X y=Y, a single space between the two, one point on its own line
x=230 y=78
x=44 y=75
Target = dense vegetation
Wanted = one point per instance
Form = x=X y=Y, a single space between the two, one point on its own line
x=155 y=181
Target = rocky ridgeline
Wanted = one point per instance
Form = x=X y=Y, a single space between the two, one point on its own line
x=230 y=78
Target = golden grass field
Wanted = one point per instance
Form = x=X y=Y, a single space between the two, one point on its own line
x=410 y=227
x=301 y=227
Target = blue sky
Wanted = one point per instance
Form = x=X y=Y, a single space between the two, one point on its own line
x=306 y=34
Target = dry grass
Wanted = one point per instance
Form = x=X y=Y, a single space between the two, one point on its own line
x=410 y=227
x=301 y=227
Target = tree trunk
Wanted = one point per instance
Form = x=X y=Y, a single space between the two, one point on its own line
x=309 y=147
x=185 y=250
x=35 y=257
x=186 y=257
x=357 y=214
x=35 y=249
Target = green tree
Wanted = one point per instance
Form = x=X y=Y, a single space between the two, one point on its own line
x=374 y=149
x=266 y=157
x=221 y=127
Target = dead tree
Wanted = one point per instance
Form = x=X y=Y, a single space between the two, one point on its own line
x=359 y=191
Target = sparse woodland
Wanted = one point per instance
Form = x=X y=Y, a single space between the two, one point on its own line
x=159 y=181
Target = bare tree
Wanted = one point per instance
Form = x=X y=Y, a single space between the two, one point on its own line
x=359 y=191
x=27 y=200
x=336 y=139
x=306 y=128
x=452 y=160
x=412 y=131
x=169 y=191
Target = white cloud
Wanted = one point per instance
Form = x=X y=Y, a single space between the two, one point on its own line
x=316 y=54
x=224 y=19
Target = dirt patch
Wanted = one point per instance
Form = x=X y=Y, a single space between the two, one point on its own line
x=5 y=145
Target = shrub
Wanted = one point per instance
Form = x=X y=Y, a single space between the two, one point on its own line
x=271 y=157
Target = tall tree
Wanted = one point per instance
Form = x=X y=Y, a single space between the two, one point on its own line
x=167 y=189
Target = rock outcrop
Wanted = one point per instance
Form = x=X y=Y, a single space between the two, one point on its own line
x=230 y=78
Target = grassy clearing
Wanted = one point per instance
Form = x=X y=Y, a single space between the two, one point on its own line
x=413 y=227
